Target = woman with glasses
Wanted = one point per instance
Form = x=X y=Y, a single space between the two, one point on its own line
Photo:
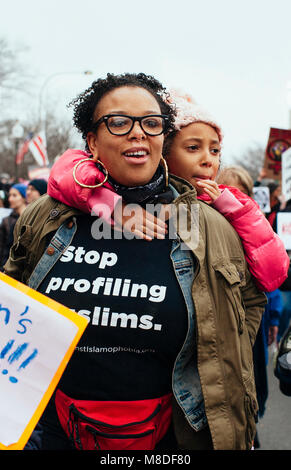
x=165 y=362
x=81 y=180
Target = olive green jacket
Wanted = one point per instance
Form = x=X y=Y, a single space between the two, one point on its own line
x=228 y=307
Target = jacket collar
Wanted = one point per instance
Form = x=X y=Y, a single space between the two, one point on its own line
x=182 y=186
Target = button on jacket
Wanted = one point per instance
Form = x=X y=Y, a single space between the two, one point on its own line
x=213 y=380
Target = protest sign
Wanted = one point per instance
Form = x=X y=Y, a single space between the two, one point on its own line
x=279 y=141
x=4 y=212
x=262 y=197
x=284 y=228
x=38 y=172
x=37 y=339
x=286 y=174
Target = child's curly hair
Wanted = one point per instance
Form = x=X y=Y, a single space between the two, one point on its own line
x=84 y=105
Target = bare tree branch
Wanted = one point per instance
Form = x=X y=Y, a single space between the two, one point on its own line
x=252 y=160
x=12 y=71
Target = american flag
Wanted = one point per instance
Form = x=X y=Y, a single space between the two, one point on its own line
x=37 y=146
x=23 y=149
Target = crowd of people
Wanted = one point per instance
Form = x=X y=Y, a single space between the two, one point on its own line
x=202 y=302
x=16 y=197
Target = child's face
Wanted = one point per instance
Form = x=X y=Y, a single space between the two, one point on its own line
x=195 y=153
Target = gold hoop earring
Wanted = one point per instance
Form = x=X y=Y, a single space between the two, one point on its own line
x=88 y=185
x=164 y=163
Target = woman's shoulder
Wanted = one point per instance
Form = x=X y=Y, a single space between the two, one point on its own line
x=45 y=208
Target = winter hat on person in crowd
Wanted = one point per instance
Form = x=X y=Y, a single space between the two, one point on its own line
x=188 y=111
x=21 y=188
x=40 y=185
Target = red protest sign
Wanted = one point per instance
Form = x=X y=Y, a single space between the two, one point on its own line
x=279 y=141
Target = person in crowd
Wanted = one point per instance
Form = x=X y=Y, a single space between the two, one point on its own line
x=35 y=188
x=5 y=182
x=285 y=290
x=182 y=372
x=279 y=205
x=285 y=319
x=17 y=202
x=282 y=296
x=272 y=317
x=4 y=203
x=4 y=190
x=282 y=369
x=276 y=203
x=237 y=177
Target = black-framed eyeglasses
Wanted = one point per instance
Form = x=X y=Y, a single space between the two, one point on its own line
x=121 y=124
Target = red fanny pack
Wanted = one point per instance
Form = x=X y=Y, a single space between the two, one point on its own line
x=114 y=425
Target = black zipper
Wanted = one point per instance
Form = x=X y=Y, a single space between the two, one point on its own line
x=119 y=436
x=76 y=412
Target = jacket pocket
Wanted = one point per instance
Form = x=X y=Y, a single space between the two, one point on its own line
x=232 y=282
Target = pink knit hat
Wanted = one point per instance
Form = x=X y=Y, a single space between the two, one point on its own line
x=188 y=111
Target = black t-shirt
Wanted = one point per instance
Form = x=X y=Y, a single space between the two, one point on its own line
x=138 y=319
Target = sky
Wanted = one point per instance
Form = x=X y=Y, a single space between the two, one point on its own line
x=233 y=57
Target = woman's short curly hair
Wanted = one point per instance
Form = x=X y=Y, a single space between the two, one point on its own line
x=84 y=105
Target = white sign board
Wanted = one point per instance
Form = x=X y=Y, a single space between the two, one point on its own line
x=286 y=173
x=284 y=228
x=37 y=338
x=4 y=213
x=262 y=197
